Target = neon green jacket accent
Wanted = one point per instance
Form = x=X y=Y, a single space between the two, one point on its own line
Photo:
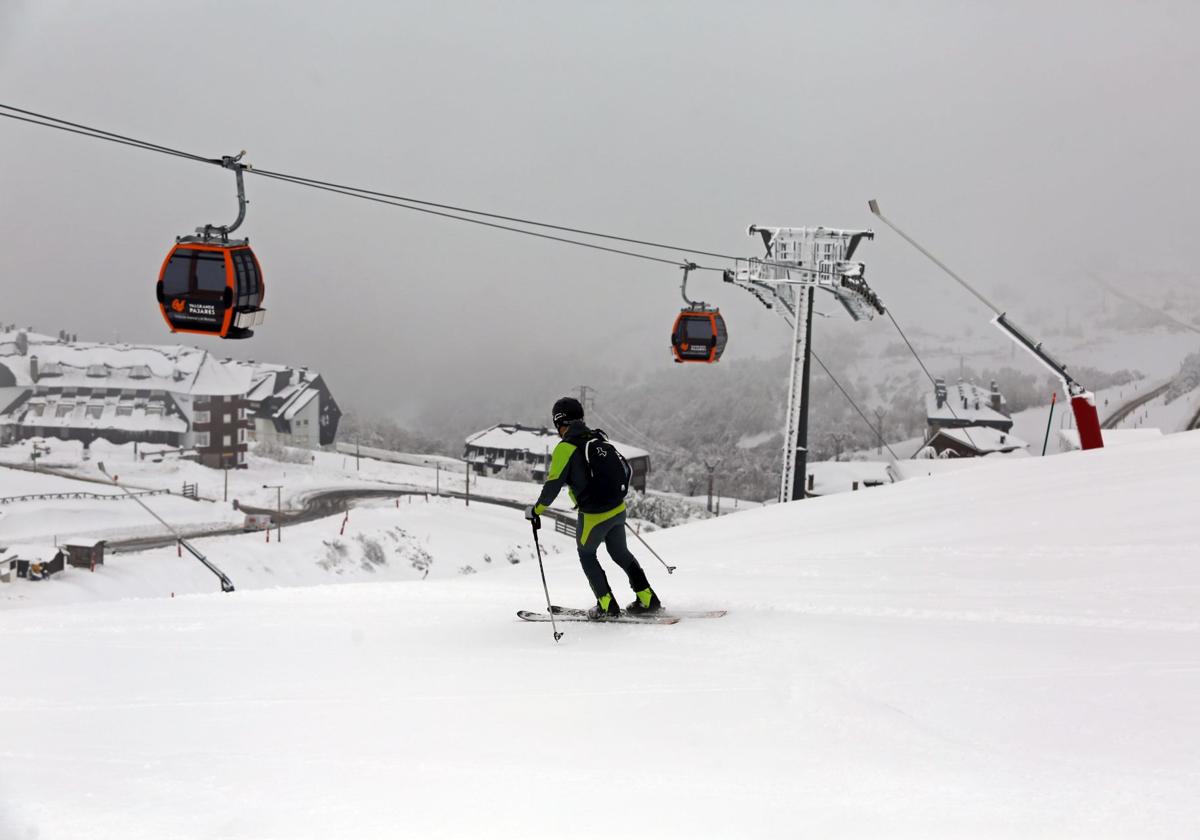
x=591 y=520
x=556 y=476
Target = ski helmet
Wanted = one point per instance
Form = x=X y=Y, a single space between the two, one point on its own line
x=565 y=410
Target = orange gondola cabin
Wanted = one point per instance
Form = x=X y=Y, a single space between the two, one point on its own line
x=211 y=287
x=699 y=335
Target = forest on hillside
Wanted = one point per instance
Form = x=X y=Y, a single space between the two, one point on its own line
x=728 y=415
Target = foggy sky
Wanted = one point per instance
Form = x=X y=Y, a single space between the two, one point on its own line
x=1027 y=143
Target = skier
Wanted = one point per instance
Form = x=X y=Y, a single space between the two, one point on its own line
x=597 y=478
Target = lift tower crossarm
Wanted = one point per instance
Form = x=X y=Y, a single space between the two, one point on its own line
x=798 y=262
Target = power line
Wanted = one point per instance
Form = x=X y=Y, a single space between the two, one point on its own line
x=627 y=429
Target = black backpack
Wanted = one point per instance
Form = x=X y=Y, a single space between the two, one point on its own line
x=609 y=473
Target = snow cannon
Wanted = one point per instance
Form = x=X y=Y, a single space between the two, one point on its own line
x=1083 y=402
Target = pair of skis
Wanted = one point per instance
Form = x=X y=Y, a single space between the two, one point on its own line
x=663 y=617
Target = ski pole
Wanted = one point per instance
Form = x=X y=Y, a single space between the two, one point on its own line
x=670 y=569
x=534 y=524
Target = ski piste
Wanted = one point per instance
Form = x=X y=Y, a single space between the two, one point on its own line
x=664 y=613
x=581 y=615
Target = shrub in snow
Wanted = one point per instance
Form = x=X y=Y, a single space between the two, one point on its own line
x=517 y=471
x=336 y=555
x=662 y=511
x=278 y=452
x=372 y=553
x=1187 y=380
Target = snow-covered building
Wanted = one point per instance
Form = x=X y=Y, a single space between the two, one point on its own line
x=182 y=397
x=965 y=404
x=292 y=406
x=967 y=421
x=973 y=442
x=508 y=444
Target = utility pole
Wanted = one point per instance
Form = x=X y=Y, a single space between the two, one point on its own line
x=879 y=415
x=583 y=397
x=225 y=469
x=837 y=439
x=357 y=456
x=468 y=484
x=36 y=453
x=712 y=468
x=278 y=488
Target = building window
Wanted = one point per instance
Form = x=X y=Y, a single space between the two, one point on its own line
x=228 y=440
x=202 y=416
x=94 y=411
x=38 y=410
x=154 y=411
x=202 y=439
x=228 y=418
x=241 y=435
x=64 y=409
x=124 y=410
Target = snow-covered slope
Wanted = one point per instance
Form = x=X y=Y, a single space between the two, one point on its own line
x=1010 y=651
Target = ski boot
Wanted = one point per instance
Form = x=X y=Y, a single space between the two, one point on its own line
x=647 y=602
x=605 y=608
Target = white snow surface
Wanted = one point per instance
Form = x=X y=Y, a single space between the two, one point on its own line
x=1002 y=652
x=111 y=516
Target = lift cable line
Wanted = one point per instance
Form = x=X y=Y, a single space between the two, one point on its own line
x=405 y=202
x=366 y=195
x=928 y=375
x=375 y=197
x=877 y=432
x=98 y=134
x=874 y=207
x=797 y=262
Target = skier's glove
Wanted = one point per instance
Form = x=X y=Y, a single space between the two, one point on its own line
x=533 y=517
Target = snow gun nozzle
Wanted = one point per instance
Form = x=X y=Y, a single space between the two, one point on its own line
x=557 y=635
x=874 y=205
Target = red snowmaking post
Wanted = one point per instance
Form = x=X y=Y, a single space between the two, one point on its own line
x=1087 y=421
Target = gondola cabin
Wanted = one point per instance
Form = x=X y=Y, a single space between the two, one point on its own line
x=211 y=288
x=699 y=335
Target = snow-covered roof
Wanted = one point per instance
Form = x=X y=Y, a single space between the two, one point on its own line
x=1112 y=437
x=984 y=439
x=517 y=438
x=298 y=404
x=904 y=470
x=283 y=392
x=84 y=364
x=77 y=417
x=840 y=476
x=966 y=403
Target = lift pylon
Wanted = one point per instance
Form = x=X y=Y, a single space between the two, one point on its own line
x=798 y=262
